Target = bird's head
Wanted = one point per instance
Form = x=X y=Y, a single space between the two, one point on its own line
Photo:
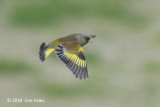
x=84 y=39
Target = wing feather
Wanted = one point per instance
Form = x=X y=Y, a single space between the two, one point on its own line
x=74 y=60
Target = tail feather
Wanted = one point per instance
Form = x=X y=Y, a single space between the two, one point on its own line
x=44 y=51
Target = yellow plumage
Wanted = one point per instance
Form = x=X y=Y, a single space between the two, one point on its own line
x=48 y=52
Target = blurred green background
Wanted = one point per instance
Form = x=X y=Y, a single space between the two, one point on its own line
x=123 y=60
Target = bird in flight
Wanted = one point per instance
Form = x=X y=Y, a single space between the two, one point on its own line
x=69 y=50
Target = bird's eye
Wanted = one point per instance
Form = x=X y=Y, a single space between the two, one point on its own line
x=87 y=39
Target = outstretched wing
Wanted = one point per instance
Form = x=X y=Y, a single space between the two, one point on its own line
x=74 y=59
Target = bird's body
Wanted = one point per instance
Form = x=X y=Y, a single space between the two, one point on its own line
x=69 y=50
x=69 y=42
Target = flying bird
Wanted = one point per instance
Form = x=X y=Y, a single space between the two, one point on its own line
x=69 y=50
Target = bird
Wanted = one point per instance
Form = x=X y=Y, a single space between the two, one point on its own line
x=69 y=50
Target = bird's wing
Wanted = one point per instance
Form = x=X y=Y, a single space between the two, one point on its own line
x=74 y=59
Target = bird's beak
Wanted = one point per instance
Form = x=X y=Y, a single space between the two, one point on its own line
x=91 y=38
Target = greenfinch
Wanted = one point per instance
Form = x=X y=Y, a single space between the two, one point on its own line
x=69 y=50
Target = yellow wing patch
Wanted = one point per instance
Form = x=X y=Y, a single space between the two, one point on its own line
x=77 y=64
x=78 y=61
x=74 y=60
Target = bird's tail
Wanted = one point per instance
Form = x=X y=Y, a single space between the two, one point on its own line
x=45 y=51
